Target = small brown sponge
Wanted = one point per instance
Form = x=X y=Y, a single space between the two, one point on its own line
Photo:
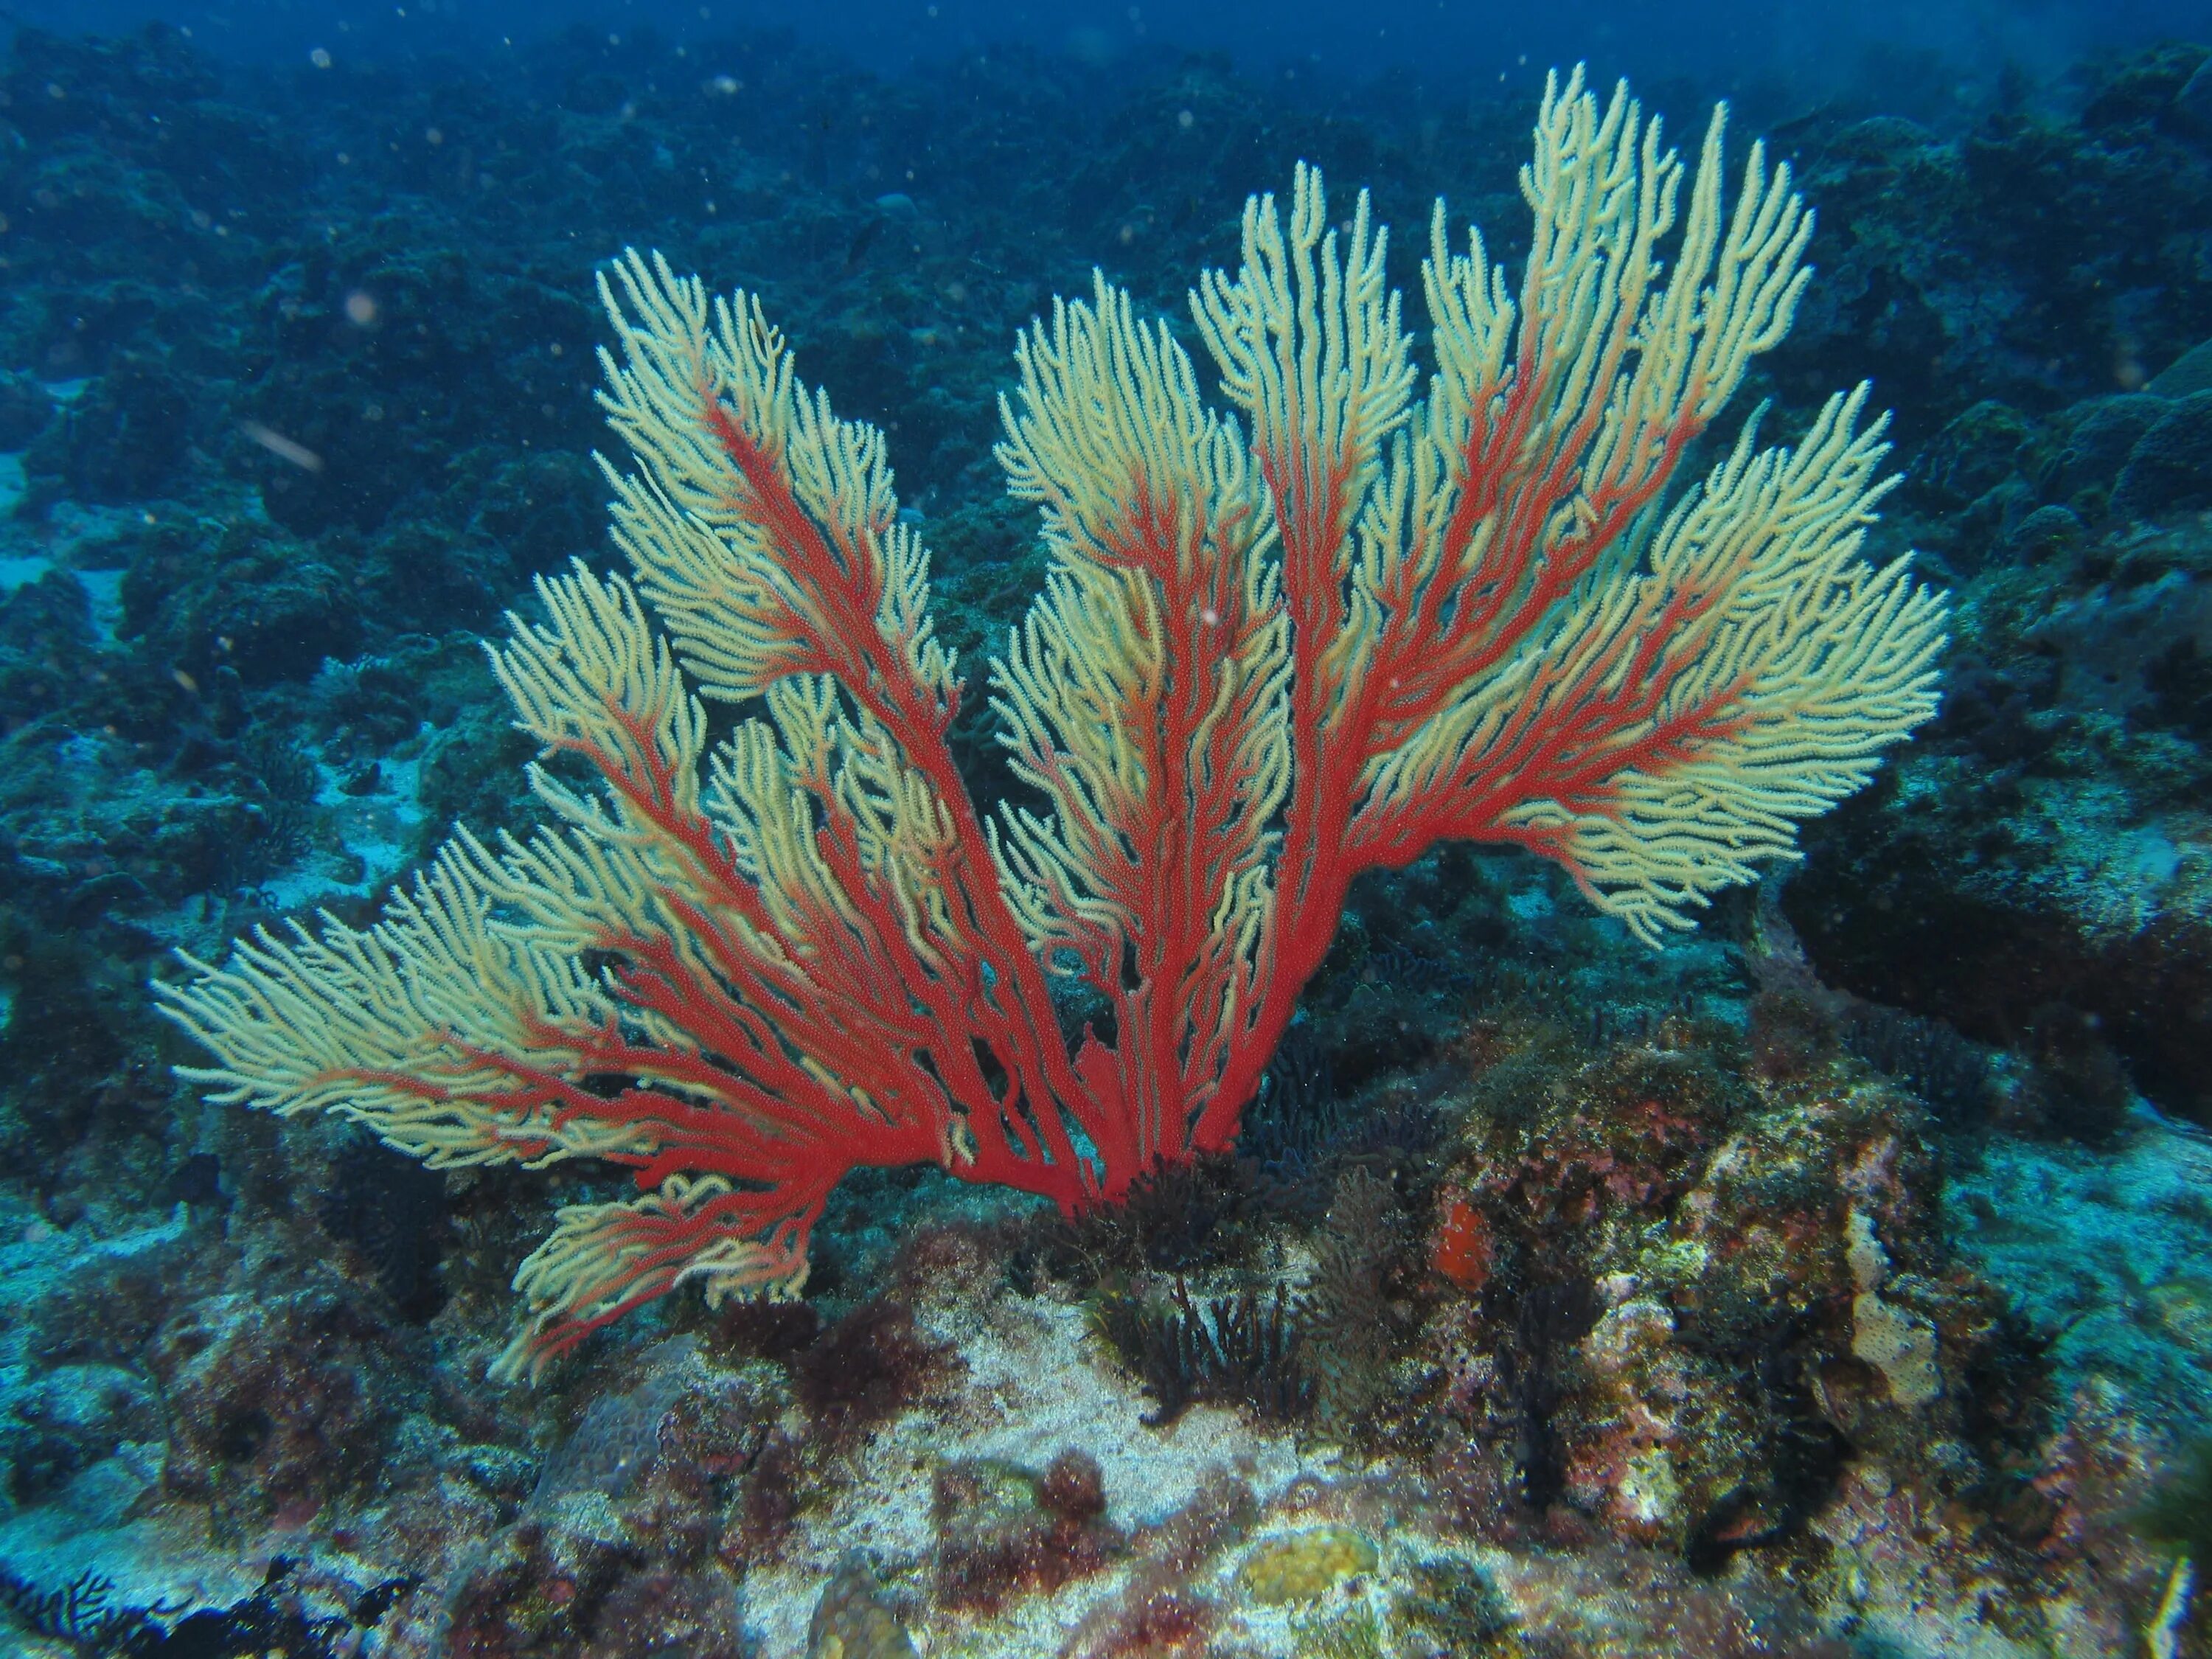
x=1002 y=1530
x=1304 y=1566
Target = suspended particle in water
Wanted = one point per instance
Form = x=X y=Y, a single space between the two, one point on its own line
x=284 y=448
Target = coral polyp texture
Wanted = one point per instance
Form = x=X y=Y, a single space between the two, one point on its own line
x=1311 y=636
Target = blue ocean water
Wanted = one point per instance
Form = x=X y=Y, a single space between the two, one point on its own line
x=822 y=831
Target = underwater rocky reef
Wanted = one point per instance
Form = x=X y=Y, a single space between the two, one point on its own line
x=1836 y=1280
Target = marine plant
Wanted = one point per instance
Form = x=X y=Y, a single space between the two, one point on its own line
x=1313 y=634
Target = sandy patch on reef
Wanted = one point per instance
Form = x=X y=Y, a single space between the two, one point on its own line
x=1039 y=1382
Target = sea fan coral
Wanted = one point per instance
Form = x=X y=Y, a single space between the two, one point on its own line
x=1277 y=648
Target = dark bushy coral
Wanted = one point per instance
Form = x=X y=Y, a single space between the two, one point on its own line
x=1248 y=1348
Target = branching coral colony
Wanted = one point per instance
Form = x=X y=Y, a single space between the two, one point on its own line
x=1276 y=648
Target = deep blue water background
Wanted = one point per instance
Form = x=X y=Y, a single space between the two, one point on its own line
x=1810 y=46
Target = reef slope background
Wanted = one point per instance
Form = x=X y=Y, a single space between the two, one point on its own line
x=1834 y=1281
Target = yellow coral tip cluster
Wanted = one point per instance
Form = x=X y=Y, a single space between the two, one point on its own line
x=1306 y=1565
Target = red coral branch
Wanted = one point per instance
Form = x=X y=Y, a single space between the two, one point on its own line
x=850 y=989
